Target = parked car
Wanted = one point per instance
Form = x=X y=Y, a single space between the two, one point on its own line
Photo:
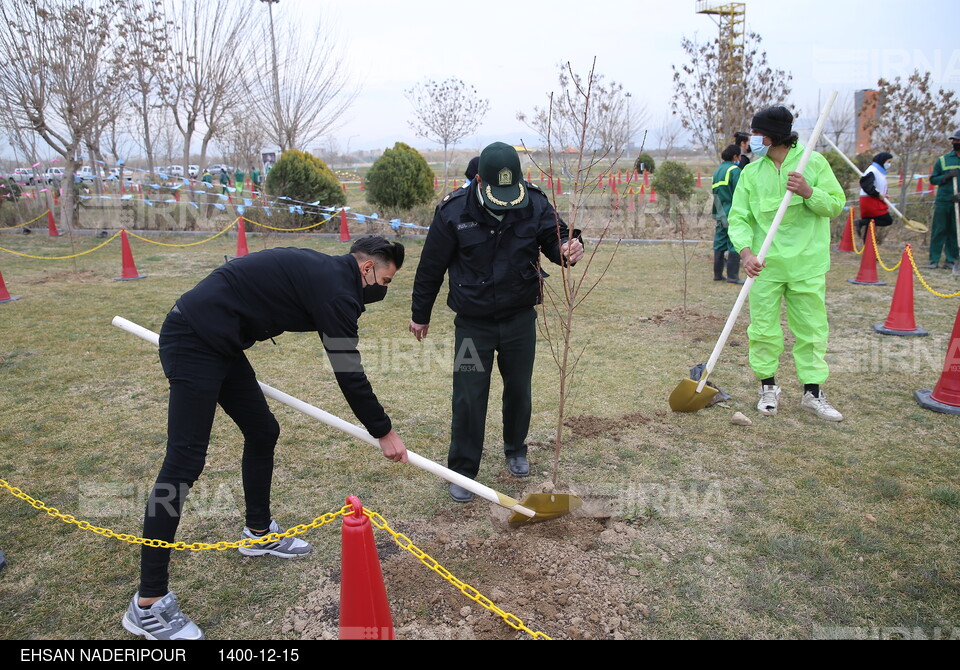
x=86 y=173
x=193 y=170
x=175 y=170
x=24 y=176
x=53 y=175
x=216 y=167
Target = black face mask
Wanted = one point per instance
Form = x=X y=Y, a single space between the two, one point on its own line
x=374 y=292
x=956 y=146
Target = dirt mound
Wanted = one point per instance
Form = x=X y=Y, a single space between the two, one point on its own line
x=589 y=426
x=554 y=576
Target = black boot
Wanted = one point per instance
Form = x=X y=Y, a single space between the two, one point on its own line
x=733 y=268
x=718 y=265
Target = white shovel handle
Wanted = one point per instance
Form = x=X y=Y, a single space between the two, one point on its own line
x=474 y=487
x=767 y=241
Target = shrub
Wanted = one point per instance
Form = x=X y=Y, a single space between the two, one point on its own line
x=399 y=179
x=646 y=160
x=843 y=172
x=674 y=179
x=304 y=178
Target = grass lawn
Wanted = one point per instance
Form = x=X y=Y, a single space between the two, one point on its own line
x=791 y=527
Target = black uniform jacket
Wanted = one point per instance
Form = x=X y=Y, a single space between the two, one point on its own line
x=494 y=266
x=269 y=292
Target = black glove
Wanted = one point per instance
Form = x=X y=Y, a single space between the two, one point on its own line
x=869 y=186
x=951 y=174
x=956 y=198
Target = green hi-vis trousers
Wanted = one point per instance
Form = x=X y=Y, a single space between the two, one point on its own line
x=807 y=318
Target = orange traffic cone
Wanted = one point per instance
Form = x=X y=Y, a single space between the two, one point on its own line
x=344 y=230
x=364 y=611
x=241 y=238
x=631 y=205
x=549 y=183
x=900 y=320
x=362 y=187
x=559 y=187
x=846 y=240
x=920 y=185
x=5 y=294
x=945 y=397
x=436 y=183
x=868 y=262
x=653 y=194
x=52 y=225
x=699 y=181
x=646 y=178
x=129 y=271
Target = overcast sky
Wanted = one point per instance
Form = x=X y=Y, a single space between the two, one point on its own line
x=510 y=50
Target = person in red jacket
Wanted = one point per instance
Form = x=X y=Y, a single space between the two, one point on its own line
x=873 y=190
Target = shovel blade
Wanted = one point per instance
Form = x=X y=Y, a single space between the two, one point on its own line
x=686 y=399
x=547 y=506
x=915 y=226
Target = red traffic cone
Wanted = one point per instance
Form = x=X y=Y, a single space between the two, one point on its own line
x=344 y=230
x=436 y=183
x=868 y=262
x=5 y=294
x=52 y=225
x=559 y=187
x=241 y=238
x=344 y=185
x=646 y=178
x=920 y=185
x=129 y=271
x=631 y=204
x=653 y=194
x=900 y=320
x=549 y=183
x=846 y=240
x=176 y=195
x=364 y=611
x=945 y=397
x=699 y=180
x=362 y=187
x=528 y=174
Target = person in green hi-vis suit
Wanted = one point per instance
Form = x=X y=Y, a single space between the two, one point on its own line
x=238 y=180
x=724 y=184
x=943 y=236
x=795 y=268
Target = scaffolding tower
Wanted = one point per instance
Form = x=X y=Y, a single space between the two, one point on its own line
x=730 y=18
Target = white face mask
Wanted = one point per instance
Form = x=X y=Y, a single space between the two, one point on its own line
x=757 y=146
x=887 y=165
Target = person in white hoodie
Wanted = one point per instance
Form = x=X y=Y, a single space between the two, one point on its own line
x=873 y=190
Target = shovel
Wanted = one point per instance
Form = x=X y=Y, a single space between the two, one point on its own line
x=535 y=507
x=690 y=396
x=909 y=224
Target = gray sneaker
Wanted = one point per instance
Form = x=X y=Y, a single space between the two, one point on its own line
x=286 y=547
x=163 y=620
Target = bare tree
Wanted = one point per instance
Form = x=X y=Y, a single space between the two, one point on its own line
x=242 y=137
x=445 y=112
x=712 y=110
x=203 y=80
x=911 y=120
x=842 y=122
x=56 y=66
x=669 y=133
x=312 y=89
x=610 y=123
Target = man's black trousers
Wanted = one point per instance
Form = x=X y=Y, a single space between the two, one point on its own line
x=514 y=341
x=200 y=379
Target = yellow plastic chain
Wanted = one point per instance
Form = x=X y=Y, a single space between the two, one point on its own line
x=21 y=225
x=289 y=230
x=853 y=239
x=404 y=543
x=61 y=258
x=179 y=546
x=402 y=540
x=876 y=250
x=189 y=244
x=923 y=281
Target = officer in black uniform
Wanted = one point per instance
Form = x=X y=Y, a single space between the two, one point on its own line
x=489 y=237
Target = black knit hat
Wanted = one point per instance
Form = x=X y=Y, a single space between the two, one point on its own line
x=882 y=157
x=773 y=121
x=472 y=168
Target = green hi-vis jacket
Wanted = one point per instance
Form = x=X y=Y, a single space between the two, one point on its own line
x=724 y=184
x=944 y=164
x=801 y=247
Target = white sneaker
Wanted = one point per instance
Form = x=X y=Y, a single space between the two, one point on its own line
x=769 y=399
x=163 y=620
x=287 y=547
x=820 y=406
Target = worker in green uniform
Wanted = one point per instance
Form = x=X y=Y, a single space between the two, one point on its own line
x=795 y=268
x=255 y=180
x=943 y=236
x=724 y=184
x=238 y=180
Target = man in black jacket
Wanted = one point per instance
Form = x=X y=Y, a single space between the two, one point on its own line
x=250 y=299
x=488 y=237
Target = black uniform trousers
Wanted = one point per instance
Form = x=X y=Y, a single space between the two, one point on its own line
x=200 y=379
x=514 y=341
